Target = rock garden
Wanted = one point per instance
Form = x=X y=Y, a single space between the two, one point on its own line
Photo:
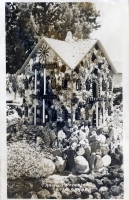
x=75 y=162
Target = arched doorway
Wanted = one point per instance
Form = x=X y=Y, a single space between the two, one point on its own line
x=87 y=113
x=54 y=115
x=94 y=118
x=64 y=84
x=87 y=83
x=65 y=114
x=77 y=114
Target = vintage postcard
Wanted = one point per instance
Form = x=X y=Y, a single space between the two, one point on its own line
x=65 y=107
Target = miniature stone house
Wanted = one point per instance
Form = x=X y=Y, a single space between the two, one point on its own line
x=68 y=81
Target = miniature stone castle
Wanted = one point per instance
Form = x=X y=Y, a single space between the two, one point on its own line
x=68 y=81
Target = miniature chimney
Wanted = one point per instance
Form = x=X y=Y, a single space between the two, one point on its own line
x=69 y=37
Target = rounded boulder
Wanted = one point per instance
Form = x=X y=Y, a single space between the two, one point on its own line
x=106 y=160
x=81 y=164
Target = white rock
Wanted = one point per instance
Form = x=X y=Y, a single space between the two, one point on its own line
x=87 y=130
x=83 y=143
x=33 y=195
x=39 y=140
x=98 y=162
x=61 y=135
x=105 y=149
x=60 y=164
x=106 y=160
x=82 y=128
x=52 y=135
x=80 y=151
x=75 y=128
x=73 y=140
x=74 y=146
x=48 y=167
x=82 y=135
x=81 y=164
x=43 y=194
x=101 y=138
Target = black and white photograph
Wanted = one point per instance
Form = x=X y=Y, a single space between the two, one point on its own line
x=64 y=99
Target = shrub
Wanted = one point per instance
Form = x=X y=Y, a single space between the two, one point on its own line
x=27 y=161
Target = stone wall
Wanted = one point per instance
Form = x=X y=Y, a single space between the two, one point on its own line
x=77 y=90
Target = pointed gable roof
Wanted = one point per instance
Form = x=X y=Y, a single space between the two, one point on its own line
x=70 y=52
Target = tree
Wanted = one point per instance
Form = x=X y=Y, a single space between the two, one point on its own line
x=26 y=23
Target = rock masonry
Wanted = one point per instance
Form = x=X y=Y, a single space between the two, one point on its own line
x=83 y=151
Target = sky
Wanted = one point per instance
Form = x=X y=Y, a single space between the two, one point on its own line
x=113 y=30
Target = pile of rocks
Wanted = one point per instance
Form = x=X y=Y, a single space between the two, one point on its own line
x=105 y=185
x=82 y=148
x=90 y=154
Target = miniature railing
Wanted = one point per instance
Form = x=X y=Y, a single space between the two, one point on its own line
x=40 y=66
x=46 y=97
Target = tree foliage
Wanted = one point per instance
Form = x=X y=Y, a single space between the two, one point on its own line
x=26 y=23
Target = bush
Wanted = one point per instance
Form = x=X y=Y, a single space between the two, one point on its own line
x=27 y=161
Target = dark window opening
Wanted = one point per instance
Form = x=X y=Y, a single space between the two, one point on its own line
x=49 y=103
x=94 y=89
x=99 y=65
x=24 y=100
x=78 y=84
x=54 y=115
x=26 y=111
x=26 y=84
x=47 y=85
x=65 y=114
x=87 y=113
x=94 y=118
x=38 y=81
x=38 y=112
x=82 y=63
x=77 y=70
x=42 y=86
x=64 y=84
x=38 y=77
x=110 y=85
x=103 y=85
x=109 y=111
x=109 y=67
x=95 y=71
x=63 y=68
x=96 y=46
x=60 y=125
x=102 y=115
x=77 y=114
x=67 y=76
x=88 y=84
x=53 y=83
x=93 y=57
x=30 y=79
